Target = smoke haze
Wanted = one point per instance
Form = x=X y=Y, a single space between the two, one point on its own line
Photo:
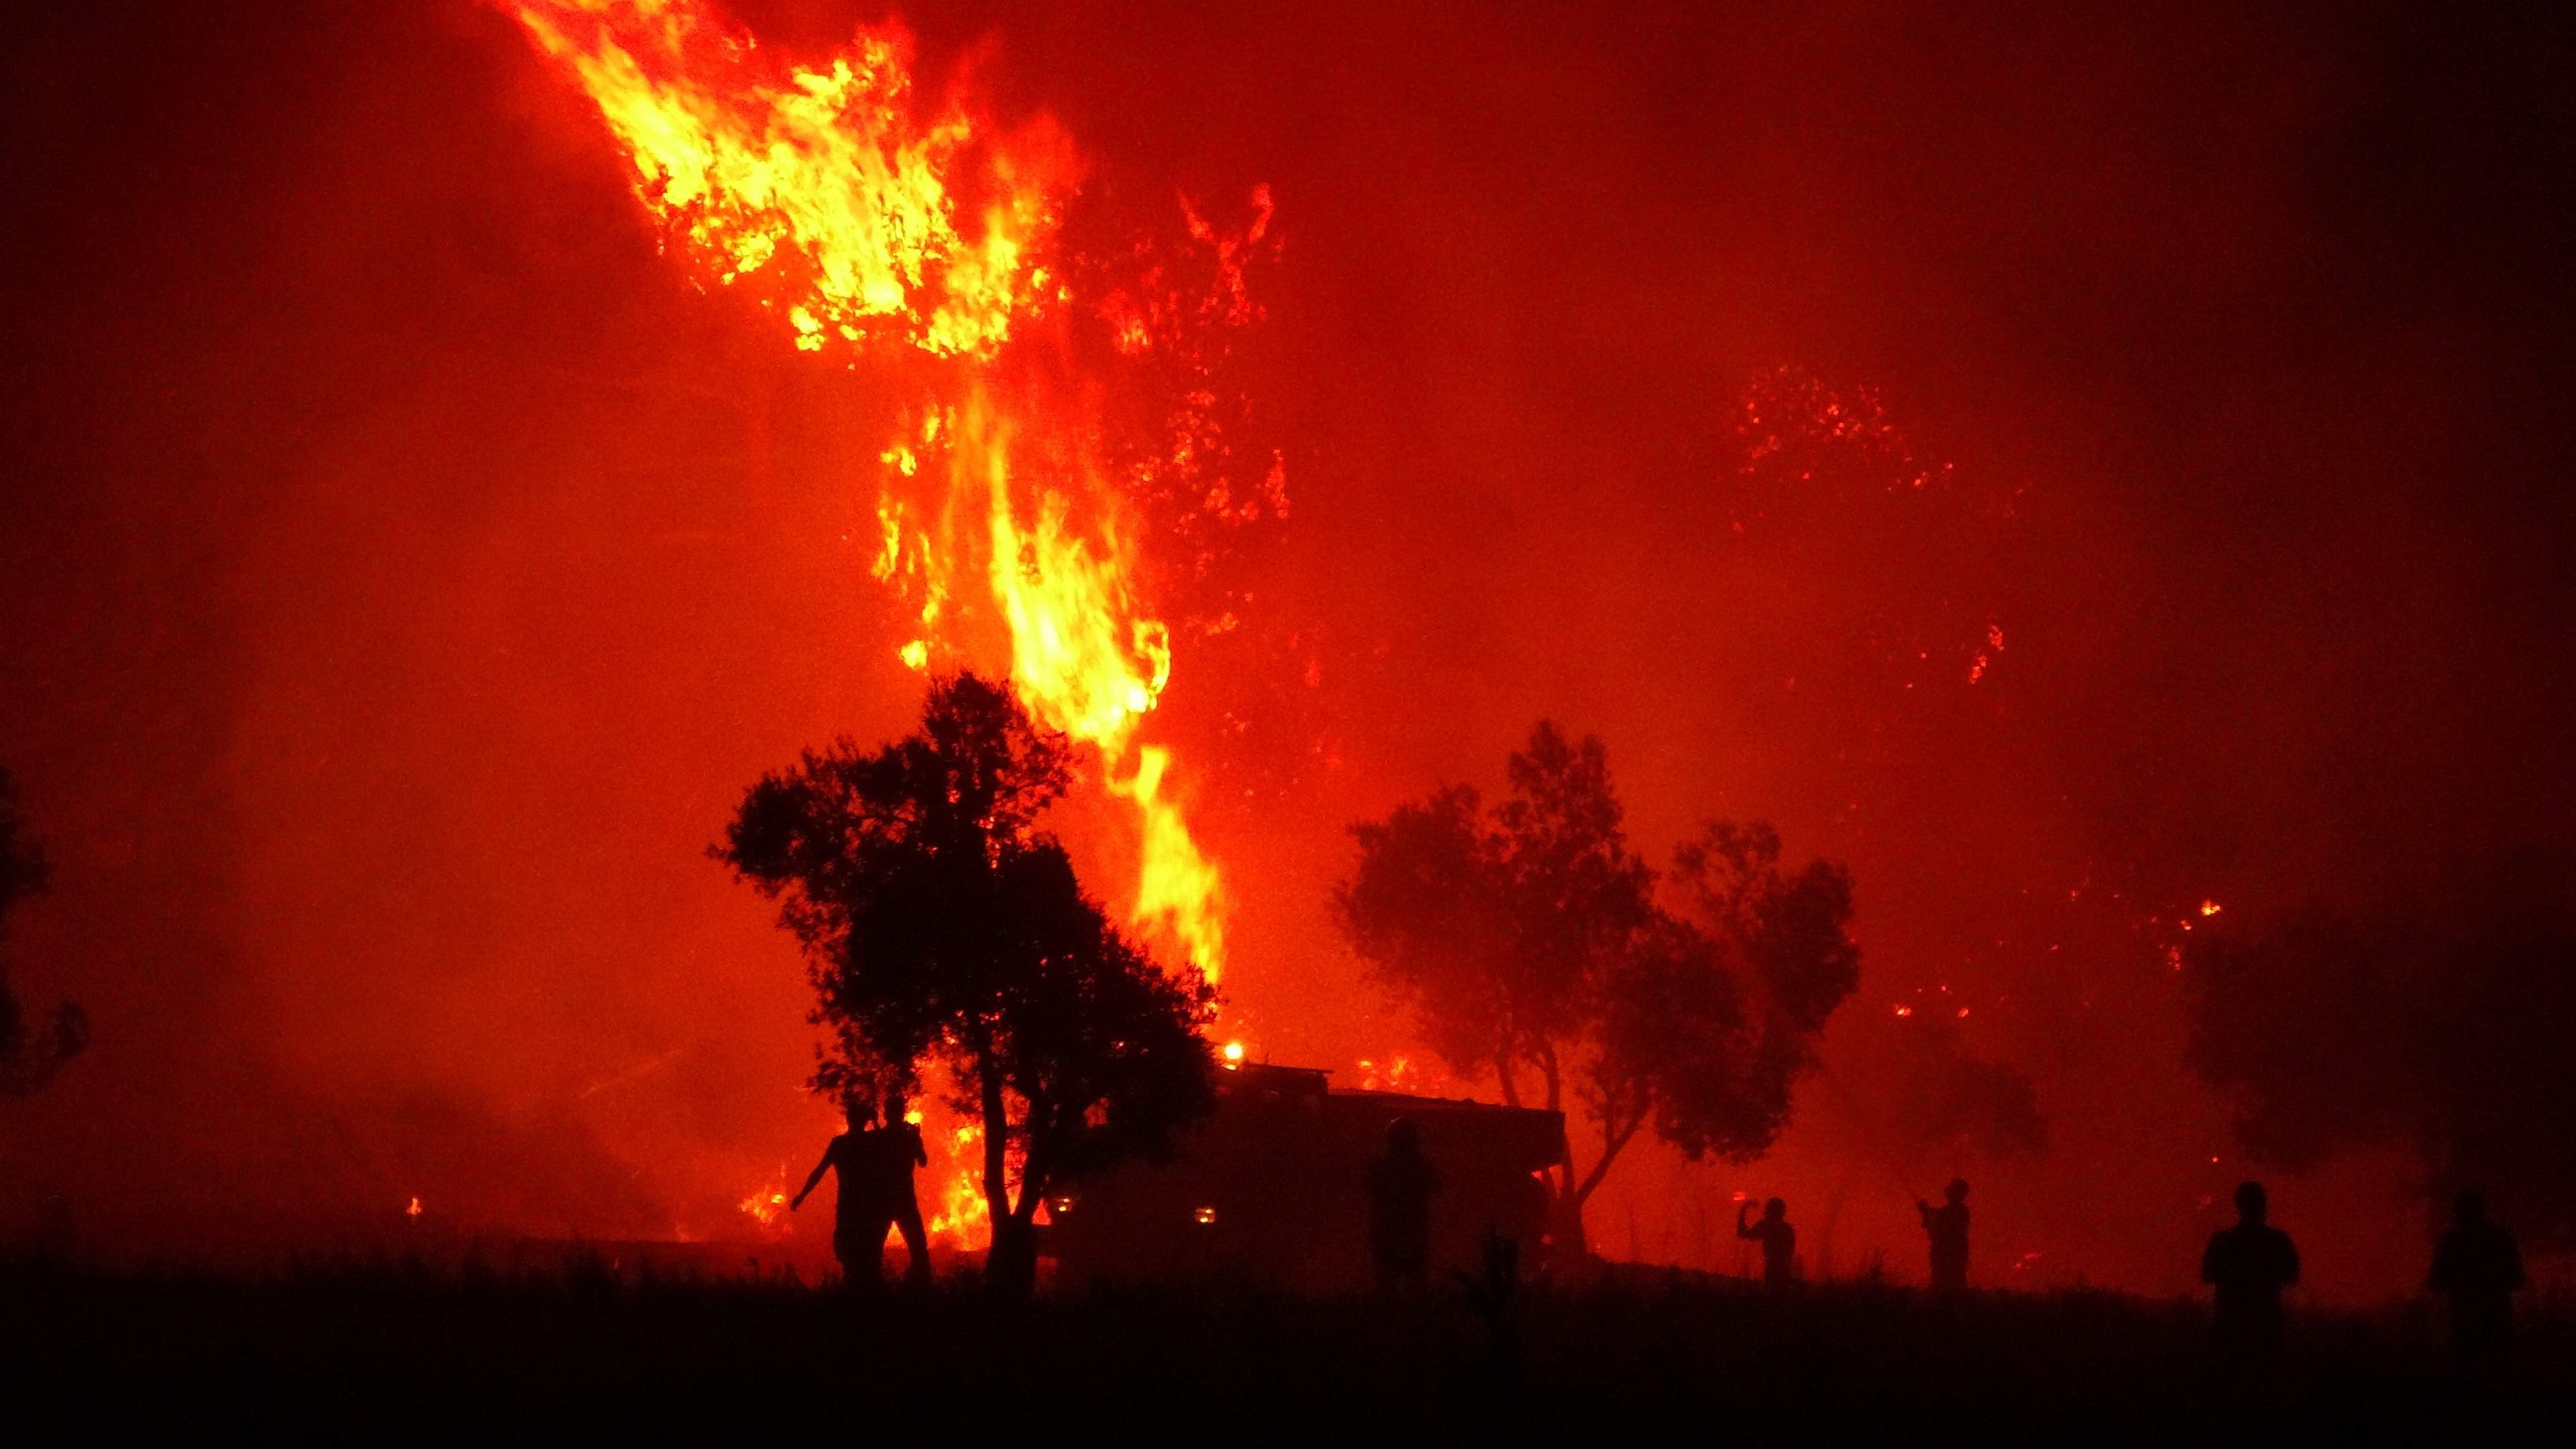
x=403 y=568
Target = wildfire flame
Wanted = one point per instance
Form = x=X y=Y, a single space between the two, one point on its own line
x=870 y=221
x=819 y=178
x=767 y=1206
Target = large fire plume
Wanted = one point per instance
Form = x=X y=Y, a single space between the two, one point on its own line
x=1019 y=490
x=875 y=224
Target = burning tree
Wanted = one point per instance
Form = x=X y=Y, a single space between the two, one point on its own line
x=26 y=1064
x=2435 y=1022
x=1527 y=940
x=941 y=925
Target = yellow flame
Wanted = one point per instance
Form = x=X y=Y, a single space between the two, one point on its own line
x=828 y=183
x=1087 y=660
x=821 y=172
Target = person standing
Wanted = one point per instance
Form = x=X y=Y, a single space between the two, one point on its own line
x=874 y=1166
x=900 y=1155
x=1401 y=1184
x=1778 y=1239
x=1947 y=1227
x=2478 y=1267
x=2249 y=1266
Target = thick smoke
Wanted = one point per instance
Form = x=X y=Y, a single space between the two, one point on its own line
x=402 y=568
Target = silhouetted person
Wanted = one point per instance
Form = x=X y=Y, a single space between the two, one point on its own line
x=2249 y=1265
x=902 y=1155
x=1779 y=1241
x=875 y=1167
x=1947 y=1227
x=2479 y=1269
x=1401 y=1184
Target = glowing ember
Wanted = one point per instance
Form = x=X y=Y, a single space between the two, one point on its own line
x=1400 y=1074
x=412 y=1211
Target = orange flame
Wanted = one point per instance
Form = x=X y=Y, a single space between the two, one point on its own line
x=767 y=1207
x=819 y=177
x=826 y=189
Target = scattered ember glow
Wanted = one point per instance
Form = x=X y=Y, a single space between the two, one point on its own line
x=2210 y=908
x=412 y=1211
x=1400 y=1074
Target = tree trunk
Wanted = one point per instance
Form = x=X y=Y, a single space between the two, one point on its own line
x=1565 y=1226
x=1011 y=1264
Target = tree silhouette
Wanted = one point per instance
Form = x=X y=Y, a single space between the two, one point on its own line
x=1952 y=1105
x=2437 y=1022
x=939 y=924
x=28 y=1061
x=1527 y=941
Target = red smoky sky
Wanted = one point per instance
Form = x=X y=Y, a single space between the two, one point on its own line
x=403 y=568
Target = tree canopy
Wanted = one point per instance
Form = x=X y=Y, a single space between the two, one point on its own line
x=939 y=924
x=2436 y=1022
x=28 y=1059
x=1530 y=943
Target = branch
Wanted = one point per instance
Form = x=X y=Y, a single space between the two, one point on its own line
x=1611 y=1143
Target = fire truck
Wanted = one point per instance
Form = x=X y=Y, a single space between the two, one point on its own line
x=1269 y=1190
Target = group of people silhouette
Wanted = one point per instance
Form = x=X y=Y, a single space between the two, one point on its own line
x=875 y=1161
x=1945 y=1226
x=2477 y=1267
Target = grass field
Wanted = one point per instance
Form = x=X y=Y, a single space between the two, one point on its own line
x=388 y=1350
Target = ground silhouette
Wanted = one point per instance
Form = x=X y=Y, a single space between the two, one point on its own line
x=336 y=1351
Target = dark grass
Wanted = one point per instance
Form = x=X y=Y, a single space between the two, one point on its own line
x=387 y=1350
